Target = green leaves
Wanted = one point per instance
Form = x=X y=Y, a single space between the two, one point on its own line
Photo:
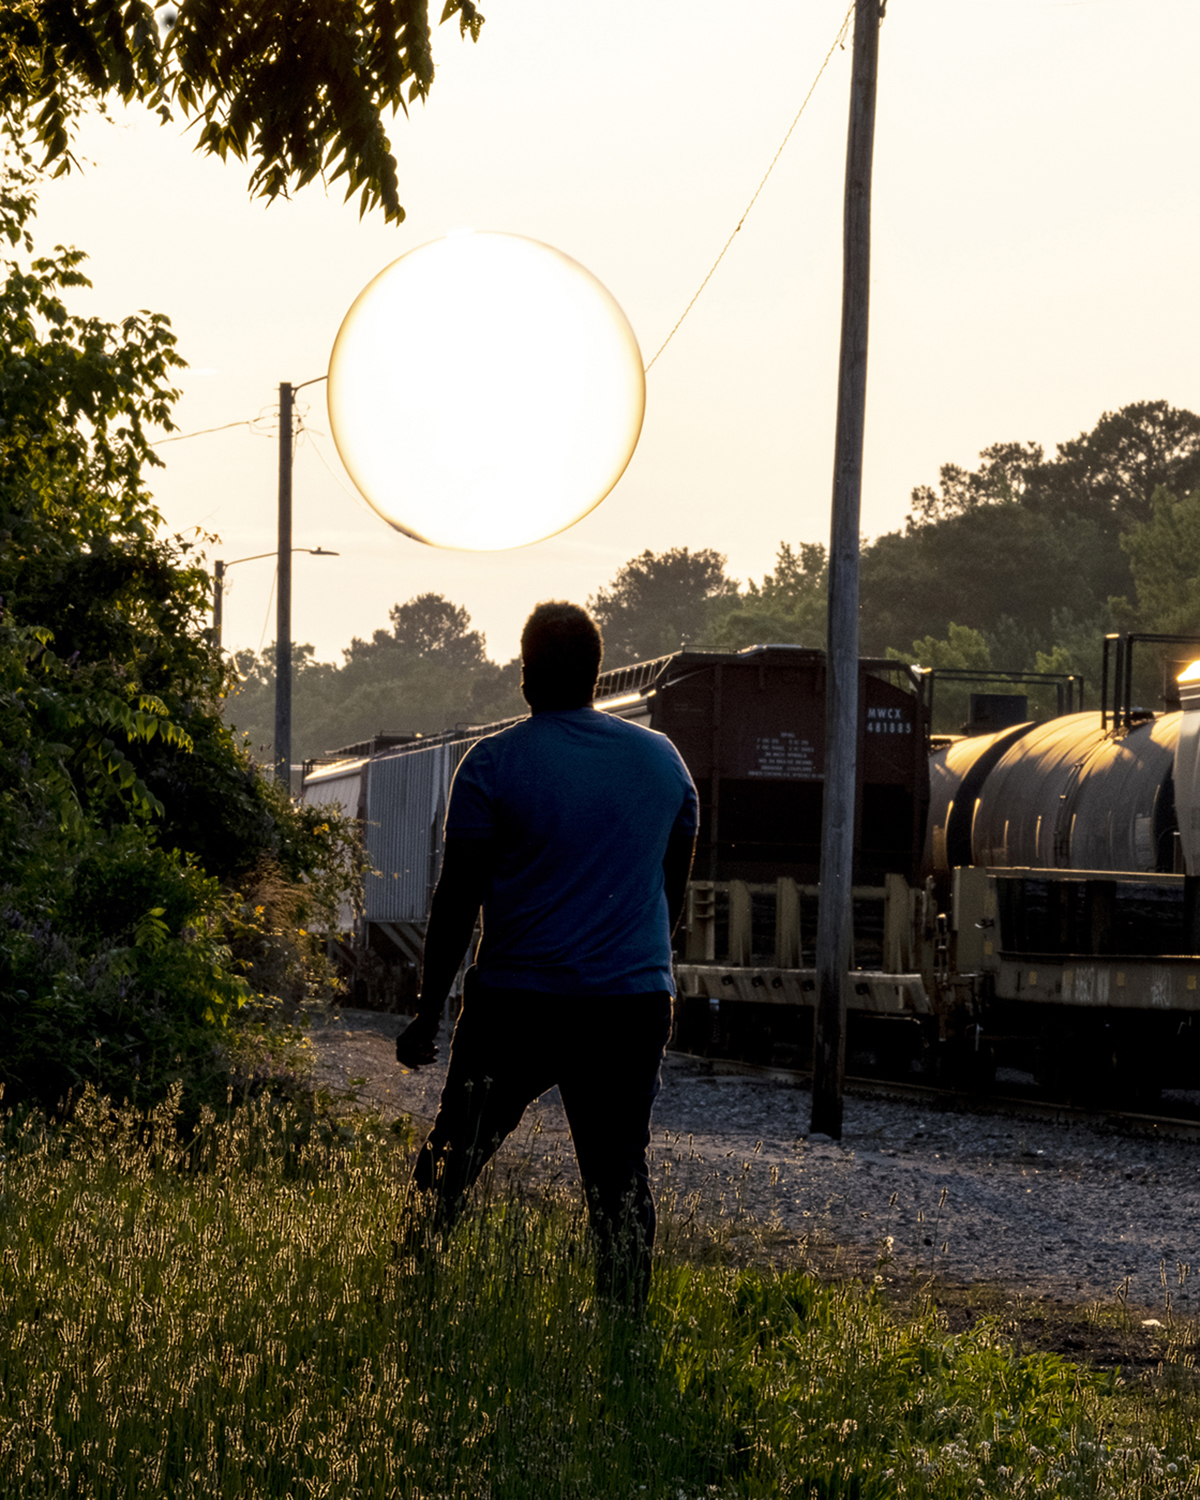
x=659 y=602
x=1164 y=553
x=428 y=672
x=300 y=90
x=124 y=800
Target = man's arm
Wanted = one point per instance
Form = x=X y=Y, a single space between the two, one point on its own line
x=461 y=888
x=677 y=868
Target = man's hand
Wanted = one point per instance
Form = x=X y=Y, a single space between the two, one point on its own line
x=417 y=1043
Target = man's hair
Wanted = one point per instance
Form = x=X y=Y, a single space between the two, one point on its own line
x=561 y=651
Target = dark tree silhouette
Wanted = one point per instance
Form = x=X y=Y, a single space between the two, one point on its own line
x=661 y=601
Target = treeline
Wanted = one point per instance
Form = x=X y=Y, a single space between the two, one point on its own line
x=1021 y=564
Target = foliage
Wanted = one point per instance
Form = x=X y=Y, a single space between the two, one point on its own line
x=1110 y=475
x=302 y=89
x=964 y=650
x=1107 y=476
x=427 y=628
x=789 y=607
x=1003 y=477
x=659 y=602
x=430 y=672
x=127 y=812
x=1024 y=537
x=249 y=1309
x=1164 y=558
x=113 y=970
x=1164 y=554
x=977 y=569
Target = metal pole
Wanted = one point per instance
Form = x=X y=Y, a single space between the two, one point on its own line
x=218 y=601
x=835 y=916
x=283 y=615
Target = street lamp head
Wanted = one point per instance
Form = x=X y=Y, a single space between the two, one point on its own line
x=485 y=391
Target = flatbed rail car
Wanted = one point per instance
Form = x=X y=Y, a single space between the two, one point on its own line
x=750 y=726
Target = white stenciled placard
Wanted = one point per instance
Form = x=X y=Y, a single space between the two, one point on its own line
x=784 y=755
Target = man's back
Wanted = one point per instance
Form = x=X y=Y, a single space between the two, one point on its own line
x=580 y=807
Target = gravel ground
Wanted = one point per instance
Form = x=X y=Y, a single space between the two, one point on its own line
x=1067 y=1212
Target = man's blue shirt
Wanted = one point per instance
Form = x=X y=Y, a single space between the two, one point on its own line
x=580 y=806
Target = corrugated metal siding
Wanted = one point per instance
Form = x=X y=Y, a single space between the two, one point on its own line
x=406 y=804
x=340 y=786
x=337 y=786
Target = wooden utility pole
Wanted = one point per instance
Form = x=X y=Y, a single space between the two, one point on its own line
x=835 y=917
x=218 y=601
x=283 y=603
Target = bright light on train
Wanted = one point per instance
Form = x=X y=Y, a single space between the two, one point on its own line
x=485 y=391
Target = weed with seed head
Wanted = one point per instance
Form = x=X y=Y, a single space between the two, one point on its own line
x=255 y=1307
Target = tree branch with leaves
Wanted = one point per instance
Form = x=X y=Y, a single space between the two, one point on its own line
x=302 y=90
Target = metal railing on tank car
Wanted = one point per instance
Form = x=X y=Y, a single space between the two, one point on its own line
x=1068 y=689
x=1118 y=648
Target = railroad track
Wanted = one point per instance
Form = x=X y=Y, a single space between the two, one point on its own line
x=1013 y=1106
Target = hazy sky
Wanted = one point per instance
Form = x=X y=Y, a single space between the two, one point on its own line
x=1035 y=228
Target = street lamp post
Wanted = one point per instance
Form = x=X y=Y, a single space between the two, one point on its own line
x=283 y=607
x=220 y=568
x=285 y=618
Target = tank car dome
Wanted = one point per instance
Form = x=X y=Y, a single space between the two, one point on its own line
x=1072 y=795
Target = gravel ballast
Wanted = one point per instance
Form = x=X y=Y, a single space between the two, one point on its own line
x=1066 y=1211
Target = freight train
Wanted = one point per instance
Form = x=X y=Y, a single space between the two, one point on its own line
x=1024 y=896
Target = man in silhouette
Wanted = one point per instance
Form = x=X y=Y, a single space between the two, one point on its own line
x=573 y=830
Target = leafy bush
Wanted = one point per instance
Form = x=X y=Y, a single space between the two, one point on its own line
x=130 y=819
x=113 y=970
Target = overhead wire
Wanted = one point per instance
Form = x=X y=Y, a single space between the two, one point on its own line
x=255 y=424
x=204 y=431
x=270 y=601
x=354 y=494
x=837 y=42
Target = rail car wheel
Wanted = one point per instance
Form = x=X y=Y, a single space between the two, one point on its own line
x=1102 y=1066
x=1138 y=1079
x=884 y=1046
x=967 y=1062
x=749 y=1035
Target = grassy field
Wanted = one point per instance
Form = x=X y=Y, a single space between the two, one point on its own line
x=251 y=1311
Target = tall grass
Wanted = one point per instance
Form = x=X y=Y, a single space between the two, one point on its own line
x=256 y=1311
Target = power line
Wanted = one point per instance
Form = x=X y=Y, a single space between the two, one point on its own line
x=354 y=494
x=837 y=42
x=204 y=431
x=253 y=423
x=267 y=617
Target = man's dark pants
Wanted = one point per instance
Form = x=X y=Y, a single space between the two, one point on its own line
x=604 y=1053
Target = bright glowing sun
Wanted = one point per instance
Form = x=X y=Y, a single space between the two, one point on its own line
x=485 y=391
